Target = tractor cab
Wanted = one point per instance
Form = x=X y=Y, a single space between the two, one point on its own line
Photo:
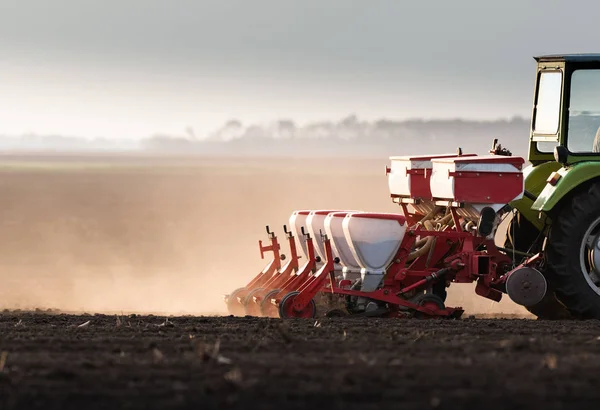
x=564 y=141
x=566 y=111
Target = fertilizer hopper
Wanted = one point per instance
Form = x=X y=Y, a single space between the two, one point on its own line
x=334 y=227
x=316 y=228
x=297 y=224
x=477 y=185
x=374 y=240
x=409 y=182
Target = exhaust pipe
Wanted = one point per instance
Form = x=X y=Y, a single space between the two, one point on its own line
x=526 y=286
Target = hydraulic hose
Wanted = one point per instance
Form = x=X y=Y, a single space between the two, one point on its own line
x=446 y=219
x=424 y=245
x=425 y=248
x=420 y=243
x=430 y=215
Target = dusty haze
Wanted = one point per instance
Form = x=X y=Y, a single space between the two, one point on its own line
x=165 y=235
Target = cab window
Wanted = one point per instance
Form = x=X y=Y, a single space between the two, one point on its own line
x=547 y=110
x=584 y=112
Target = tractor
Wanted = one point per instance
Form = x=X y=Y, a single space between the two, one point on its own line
x=559 y=214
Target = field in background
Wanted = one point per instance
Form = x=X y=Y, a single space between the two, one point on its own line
x=165 y=235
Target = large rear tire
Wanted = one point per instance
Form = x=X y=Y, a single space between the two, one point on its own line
x=523 y=236
x=573 y=254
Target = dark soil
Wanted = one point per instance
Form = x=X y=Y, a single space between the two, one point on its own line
x=141 y=362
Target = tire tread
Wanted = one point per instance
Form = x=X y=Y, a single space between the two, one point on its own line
x=562 y=253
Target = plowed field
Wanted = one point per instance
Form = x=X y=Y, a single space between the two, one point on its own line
x=148 y=362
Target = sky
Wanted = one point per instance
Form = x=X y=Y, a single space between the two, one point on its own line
x=134 y=68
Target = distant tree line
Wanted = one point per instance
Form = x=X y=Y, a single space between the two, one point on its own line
x=347 y=136
x=350 y=135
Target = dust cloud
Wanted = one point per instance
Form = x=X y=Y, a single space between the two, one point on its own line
x=169 y=236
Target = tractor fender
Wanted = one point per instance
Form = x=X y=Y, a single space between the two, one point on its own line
x=564 y=181
x=534 y=180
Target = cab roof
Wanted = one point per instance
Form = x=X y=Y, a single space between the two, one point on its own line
x=575 y=58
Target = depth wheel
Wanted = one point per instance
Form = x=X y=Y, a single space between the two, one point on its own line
x=521 y=234
x=573 y=254
x=267 y=309
x=251 y=307
x=234 y=307
x=287 y=310
x=431 y=301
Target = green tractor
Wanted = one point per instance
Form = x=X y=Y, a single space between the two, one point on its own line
x=560 y=211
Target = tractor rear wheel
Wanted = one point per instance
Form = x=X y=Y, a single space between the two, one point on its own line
x=522 y=236
x=573 y=254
